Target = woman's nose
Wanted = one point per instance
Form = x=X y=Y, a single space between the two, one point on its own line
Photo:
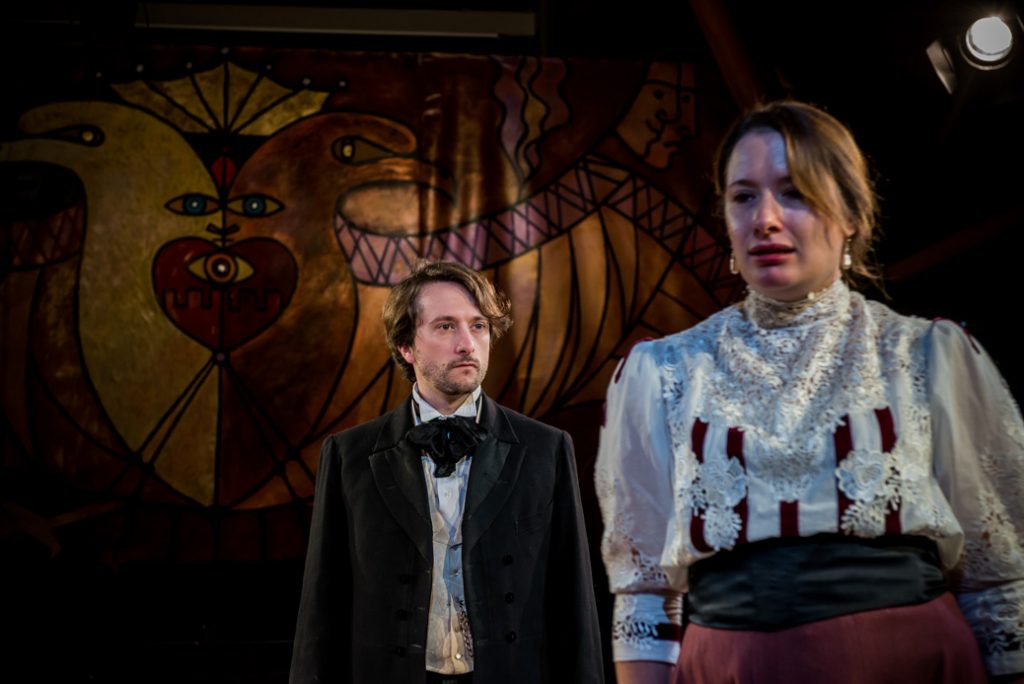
x=767 y=215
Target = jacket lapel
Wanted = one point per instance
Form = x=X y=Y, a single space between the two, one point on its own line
x=493 y=475
x=399 y=476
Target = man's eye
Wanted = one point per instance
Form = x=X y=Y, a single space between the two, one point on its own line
x=444 y=326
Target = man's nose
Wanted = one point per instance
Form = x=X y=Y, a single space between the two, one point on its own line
x=464 y=342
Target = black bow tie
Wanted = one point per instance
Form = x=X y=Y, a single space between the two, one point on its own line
x=447 y=440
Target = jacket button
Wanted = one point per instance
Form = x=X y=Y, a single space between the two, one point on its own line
x=510 y=637
x=507 y=559
x=510 y=597
x=401 y=614
x=405 y=578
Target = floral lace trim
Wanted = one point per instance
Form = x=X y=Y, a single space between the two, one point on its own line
x=877 y=483
x=720 y=484
x=627 y=565
x=638 y=634
x=997 y=550
x=772 y=313
x=646 y=627
x=1005 y=467
x=998 y=547
x=997 y=617
x=789 y=387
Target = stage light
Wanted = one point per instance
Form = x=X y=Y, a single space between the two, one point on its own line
x=988 y=43
x=982 y=54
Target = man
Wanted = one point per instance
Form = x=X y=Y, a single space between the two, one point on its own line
x=447 y=542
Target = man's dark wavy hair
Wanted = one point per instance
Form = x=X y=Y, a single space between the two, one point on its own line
x=402 y=305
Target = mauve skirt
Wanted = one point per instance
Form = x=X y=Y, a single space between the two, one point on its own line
x=928 y=642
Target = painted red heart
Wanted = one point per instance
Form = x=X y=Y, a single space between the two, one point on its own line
x=222 y=297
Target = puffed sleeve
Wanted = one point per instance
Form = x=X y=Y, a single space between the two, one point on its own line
x=634 y=485
x=979 y=462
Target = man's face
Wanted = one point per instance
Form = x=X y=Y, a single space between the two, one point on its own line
x=452 y=344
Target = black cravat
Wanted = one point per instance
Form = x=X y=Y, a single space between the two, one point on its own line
x=447 y=440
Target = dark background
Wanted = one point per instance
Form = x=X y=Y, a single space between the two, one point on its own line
x=948 y=174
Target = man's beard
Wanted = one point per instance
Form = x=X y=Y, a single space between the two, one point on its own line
x=442 y=377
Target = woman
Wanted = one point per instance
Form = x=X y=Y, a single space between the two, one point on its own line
x=809 y=467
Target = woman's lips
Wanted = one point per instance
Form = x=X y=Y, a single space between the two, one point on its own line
x=770 y=255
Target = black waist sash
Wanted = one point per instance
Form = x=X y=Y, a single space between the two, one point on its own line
x=782 y=583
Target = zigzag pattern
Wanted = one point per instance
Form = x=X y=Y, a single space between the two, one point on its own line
x=591 y=185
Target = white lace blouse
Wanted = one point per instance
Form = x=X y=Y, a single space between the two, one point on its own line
x=836 y=416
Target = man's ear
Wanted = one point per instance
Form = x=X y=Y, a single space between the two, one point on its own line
x=407 y=354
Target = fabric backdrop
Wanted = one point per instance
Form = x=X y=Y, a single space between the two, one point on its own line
x=196 y=244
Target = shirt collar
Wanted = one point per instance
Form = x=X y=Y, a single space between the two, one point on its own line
x=425 y=413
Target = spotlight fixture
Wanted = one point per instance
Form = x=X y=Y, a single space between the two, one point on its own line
x=987 y=44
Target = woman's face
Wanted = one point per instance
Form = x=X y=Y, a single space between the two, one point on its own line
x=784 y=249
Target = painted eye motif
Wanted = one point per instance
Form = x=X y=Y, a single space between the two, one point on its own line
x=193 y=204
x=254 y=205
x=358 y=150
x=221 y=268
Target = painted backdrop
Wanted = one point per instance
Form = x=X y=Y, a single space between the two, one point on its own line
x=196 y=245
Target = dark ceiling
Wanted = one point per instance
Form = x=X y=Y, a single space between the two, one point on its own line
x=948 y=165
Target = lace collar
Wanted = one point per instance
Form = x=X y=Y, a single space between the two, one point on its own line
x=786 y=375
x=768 y=313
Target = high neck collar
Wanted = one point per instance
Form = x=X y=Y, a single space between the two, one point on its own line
x=769 y=313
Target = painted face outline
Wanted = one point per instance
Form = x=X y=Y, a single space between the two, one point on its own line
x=452 y=345
x=783 y=247
x=662 y=113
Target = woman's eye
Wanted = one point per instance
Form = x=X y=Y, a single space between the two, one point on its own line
x=741 y=197
x=793 y=193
